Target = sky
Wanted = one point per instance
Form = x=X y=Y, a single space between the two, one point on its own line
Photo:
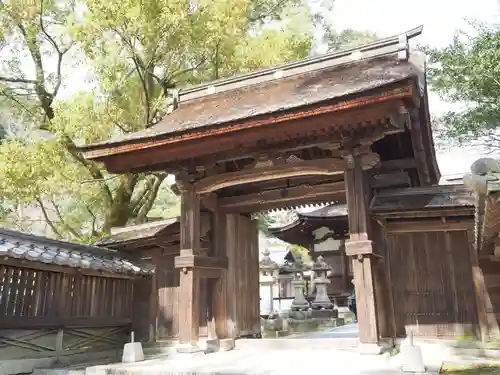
x=440 y=18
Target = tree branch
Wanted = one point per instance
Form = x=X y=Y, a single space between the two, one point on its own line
x=47 y=218
x=63 y=222
x=60 y=53
x=136 y=202
x=92 y=168
x=148 y=204
x=18 y=80
x=94 y=221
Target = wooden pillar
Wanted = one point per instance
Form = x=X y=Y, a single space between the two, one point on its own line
x=219 y=294
x=153 y=317
x=189 y=288
x=360 y=246
x=343 y=261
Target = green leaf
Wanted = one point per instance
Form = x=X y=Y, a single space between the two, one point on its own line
x=467 y=72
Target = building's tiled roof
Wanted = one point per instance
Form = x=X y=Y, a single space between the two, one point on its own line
x=17 y=245
x=334 y=210
x=445 y=196
x=282 y=88
x=281 y=95
x=137 y=232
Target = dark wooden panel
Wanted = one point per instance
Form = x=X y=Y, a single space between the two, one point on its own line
x=243 y=275
x=431 y=278
x=168 y=282
x=44 y=311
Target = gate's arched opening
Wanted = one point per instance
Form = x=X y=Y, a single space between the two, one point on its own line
x=339 y=127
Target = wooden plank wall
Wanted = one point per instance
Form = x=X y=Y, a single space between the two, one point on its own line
x=490 y=268
x=432 y=288
x=45 y=311
x=168 y=281
x=243 y=273
x=167 y=278
x=382 y=285
x=241 y=244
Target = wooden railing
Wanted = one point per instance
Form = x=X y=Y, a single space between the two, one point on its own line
x=47 y=313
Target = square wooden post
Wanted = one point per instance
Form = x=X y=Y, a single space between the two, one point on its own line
x=361 y=248
x=189 y=298
x=219 y=295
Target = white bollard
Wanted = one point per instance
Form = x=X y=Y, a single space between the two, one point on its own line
x=412 y=356
x=132 y=351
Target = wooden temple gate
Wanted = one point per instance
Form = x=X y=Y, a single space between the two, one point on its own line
x=325 y=129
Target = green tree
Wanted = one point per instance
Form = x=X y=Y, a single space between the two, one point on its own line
x=297 y=249
x=265 y=222
x=135 y=53
x=347 y=38
x=467 y=73
x=138 y=52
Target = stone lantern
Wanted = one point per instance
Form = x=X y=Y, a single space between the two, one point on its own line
x=297 y=268
x=321 y=305
x=267 y=269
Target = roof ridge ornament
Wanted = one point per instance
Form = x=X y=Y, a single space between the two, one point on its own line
x=357 y=55
x=278 y=74
x=397 y=44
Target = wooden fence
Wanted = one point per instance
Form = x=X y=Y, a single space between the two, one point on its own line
x=46 y=313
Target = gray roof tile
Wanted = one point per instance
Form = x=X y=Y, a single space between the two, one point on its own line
x=19 y=245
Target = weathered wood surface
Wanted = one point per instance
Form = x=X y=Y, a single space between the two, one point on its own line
x=273 y=199
x=301 y=168
x=431 y=277
x=36 y=304
x=39 y=343
x=360 y=247
x=243 y=275
x=422 y=199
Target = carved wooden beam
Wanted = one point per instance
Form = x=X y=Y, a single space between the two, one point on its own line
x=303 y=168
x=429 y=226
x=297 y=203
x=283 y=197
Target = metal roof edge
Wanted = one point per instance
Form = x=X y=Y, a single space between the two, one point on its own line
x=150 y=225
x=390 y=45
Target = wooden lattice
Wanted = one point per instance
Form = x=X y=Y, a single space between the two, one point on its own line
x=46 y=313
x=27 y=292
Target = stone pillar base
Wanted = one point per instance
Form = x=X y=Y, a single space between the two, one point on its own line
x=219 y=345
x=189 y=349
x=324 y=313
x=412 y=359
x=132 y=352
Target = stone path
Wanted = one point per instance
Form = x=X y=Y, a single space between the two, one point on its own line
x=310 y=354
x=258 y=362
x=348 y=331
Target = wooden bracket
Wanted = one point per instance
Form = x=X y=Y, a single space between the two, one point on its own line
x=366 y=158
x=198 y=261
x=362 y=247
